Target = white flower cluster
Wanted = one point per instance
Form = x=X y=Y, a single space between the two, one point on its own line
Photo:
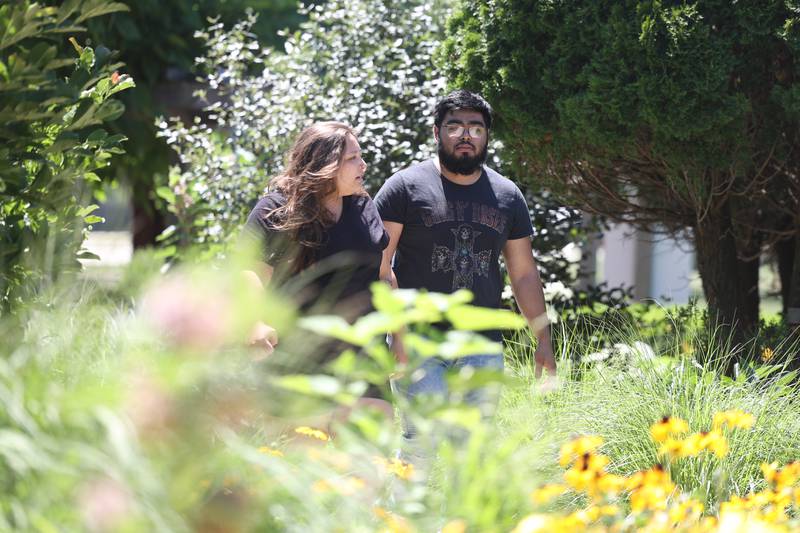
x=368 y=63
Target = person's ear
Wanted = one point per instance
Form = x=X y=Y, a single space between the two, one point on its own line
x=435 y=133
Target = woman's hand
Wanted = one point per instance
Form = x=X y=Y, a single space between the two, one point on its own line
x=264 y=338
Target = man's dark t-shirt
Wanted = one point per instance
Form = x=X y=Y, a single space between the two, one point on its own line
x=343 y=267
x=453 y=234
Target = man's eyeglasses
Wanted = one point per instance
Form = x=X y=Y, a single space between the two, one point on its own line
x=457 y=130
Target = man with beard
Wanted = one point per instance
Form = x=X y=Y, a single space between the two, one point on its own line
x=449 y=219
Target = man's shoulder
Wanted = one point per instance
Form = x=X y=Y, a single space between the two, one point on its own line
x=417 y=171
x=497 y=178
x=500 y=183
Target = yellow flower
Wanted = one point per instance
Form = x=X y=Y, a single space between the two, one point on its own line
x=589 y=461
x=715 y=442
x=578 y=447
x=692 y=445
x=397 y=467
x=741 y=521
x=689 y=510
x=394 y=523
x=767 y=354
x=733 y=419
x=673 y=448
x=311 y=432
x=610 y=484
x=266 y=450
x=654 y=476
x=534 y=523
x=455 y=526
x=783 y=477
x=650 y=489
x=346 y=487
x=770 y=471
x=650 y=498
x=547 y=492
x=579 y=479
x=321 y=486
x=667 y=426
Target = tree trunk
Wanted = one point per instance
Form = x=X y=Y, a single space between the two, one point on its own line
x=730 y=283
x=148 y=221
x=785 y=256
x=792 y=313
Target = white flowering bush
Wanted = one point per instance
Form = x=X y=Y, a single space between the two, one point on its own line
x=367 y=63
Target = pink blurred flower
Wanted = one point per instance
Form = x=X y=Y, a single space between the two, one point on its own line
x=149 y=405
x=188 y=314
x=105 y=504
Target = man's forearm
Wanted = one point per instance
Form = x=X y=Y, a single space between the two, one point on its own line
x=530 y=300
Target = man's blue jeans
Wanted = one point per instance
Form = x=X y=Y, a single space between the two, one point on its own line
x=430 y=378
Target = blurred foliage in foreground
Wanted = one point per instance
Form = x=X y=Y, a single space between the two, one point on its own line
x=140 y=410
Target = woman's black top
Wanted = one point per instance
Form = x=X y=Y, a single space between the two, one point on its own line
x=343 y=266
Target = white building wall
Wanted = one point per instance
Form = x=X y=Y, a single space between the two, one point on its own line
x=657 y=267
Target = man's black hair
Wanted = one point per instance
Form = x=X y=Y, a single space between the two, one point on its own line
x=462 y=99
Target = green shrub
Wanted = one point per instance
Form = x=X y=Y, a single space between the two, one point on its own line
x=52 y=140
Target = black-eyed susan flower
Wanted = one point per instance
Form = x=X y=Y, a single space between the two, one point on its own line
x=688 y=510
x=397 y=467
x=672 y=448
x=650 y=489
x=733 y=419
x=578 y=447
x=535 y=523
x=313 y=433
x=610 y=484
x=667 y=426
x=266 y=450
x=715 y=442
x=394 y=522
x=547 y=492
x=455 y=526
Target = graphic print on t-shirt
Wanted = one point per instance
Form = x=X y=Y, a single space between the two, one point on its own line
x=463 y=260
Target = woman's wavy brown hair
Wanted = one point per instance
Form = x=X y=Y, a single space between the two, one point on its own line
x=310 y=177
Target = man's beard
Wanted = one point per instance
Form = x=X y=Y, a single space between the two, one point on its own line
x=462 y=164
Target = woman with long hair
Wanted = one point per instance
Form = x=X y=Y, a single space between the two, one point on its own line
x=319 y=235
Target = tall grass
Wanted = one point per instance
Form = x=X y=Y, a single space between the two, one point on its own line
x=621 y=394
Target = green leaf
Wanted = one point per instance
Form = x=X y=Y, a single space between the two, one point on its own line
x=374 y=324
x=461 y=343
x=86 y=59
x=471 y=378
x=470 y=317
x=333 y=326
x=786 y=379
x=125 y=82
x=166 y=194
x=92 y=219
x=318 y=385
x=97 y=136
x=98 y=8
x=88 y=210
x=322 y=386
x=420 y=345
x=465 y=416
x=385 y=300
x=85 y=254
